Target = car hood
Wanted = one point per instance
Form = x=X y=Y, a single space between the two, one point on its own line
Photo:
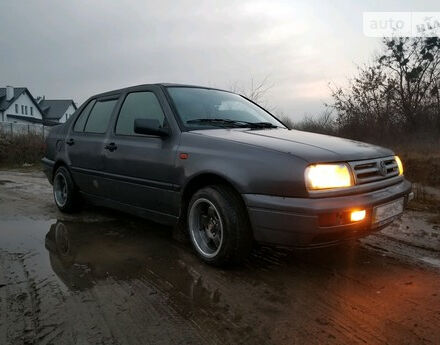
x=311 y=147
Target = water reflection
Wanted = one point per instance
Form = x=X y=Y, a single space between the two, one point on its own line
x=152 y=265
x=83 y=253
x=277 y=297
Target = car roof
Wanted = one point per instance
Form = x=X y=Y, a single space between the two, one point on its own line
x=141 y=86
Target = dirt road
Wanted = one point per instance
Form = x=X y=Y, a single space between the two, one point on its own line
x=100 y=277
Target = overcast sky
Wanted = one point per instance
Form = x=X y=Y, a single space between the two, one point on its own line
x=73 y=49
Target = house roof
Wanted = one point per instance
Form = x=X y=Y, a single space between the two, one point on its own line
x=5 y=104
x=49 y=122
x=18 y=91
x=25 y=118
x=55 y=108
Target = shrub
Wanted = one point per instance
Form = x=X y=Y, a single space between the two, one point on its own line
x=19 y=149
x=323 y=124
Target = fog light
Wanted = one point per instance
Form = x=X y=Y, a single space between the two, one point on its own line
x=357 y=216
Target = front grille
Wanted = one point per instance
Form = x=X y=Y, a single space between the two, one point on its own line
x=374 y=169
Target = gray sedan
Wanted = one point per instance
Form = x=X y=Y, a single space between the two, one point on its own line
x=222 y=169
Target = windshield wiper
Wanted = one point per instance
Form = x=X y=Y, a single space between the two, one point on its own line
x=233 y=123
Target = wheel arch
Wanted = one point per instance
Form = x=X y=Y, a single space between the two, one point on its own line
x=58 y=164
x=202 y=180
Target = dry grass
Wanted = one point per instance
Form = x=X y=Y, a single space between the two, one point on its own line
x=420 y=151
x=421 y=161
x=421 y=158
x=21 y=150
x=425 y=199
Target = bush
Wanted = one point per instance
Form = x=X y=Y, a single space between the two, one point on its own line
x=420 y=151
x=394 y=98
x=19 y=149
x=395 y=102
x=323 y=124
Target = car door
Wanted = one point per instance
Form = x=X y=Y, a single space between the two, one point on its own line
x=142 y=167
x=85 y=144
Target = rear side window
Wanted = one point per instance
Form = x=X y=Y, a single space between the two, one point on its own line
x=138 y=105
x=82 y=118
x=100 y=117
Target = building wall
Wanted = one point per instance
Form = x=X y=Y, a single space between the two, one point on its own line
x=69 y=111
x=21 y=102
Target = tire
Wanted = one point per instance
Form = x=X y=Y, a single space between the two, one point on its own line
x=64 y=191
x=218 y=226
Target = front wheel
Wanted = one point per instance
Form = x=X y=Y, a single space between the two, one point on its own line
x=218 y=226
x=64 y=191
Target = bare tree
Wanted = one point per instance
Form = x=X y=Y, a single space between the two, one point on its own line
x=414 y=63
x=398 y=91
x=256 y=90
x=323 y=123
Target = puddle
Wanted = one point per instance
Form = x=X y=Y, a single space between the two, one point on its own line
x=83 y=253
x=132 y=278
x=105 y=278
x=431 y=261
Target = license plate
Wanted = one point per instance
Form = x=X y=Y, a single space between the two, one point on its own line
x=384 y=212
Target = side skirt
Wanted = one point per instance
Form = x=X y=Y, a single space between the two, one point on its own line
x=155 y=216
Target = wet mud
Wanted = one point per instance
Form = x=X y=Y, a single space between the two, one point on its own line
x=100 y=277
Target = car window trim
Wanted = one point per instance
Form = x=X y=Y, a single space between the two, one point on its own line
x=124 y=97
x=82 y=110
x=184 y=127
x=102 y=99
x=173 y=107
x=264 y=109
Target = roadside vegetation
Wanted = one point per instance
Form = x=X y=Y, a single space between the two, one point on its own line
x=21 y=150
x=393 y=101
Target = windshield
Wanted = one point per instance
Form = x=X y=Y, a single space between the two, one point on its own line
x=207 y=108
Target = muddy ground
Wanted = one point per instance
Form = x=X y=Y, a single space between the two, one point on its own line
x=101 y=277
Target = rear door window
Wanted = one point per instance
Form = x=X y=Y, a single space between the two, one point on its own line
x=100 y=116
x=138 y=105
x=82 y=118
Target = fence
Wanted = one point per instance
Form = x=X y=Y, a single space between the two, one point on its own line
x=23 y=128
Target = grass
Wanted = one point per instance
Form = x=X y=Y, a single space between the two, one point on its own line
x=21 y=168
x=419 y=150
x=421 y=159
x=21 y=150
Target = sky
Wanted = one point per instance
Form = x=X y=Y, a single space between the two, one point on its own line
x=74 y=49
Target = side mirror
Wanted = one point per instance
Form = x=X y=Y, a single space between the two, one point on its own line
x=150 y=127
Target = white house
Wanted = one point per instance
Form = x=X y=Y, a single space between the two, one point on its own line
x=57 y=110
x=18 y=106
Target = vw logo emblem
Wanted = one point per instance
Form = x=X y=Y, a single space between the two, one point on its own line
x=383 y=168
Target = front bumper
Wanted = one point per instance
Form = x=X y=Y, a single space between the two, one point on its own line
x=295 y=221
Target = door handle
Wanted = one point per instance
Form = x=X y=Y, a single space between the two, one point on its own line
x=70 y=142
x=111 y=147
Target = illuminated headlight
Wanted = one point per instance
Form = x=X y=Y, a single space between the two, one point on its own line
x=326 y=176
x=399 y=165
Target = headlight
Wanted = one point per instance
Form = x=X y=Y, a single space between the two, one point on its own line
x=399 y=165
x=325 y=176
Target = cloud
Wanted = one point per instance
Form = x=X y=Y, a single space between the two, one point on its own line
x=78 y=48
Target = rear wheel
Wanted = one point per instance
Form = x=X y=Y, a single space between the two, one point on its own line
x=64 y=191
x=218 y=226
